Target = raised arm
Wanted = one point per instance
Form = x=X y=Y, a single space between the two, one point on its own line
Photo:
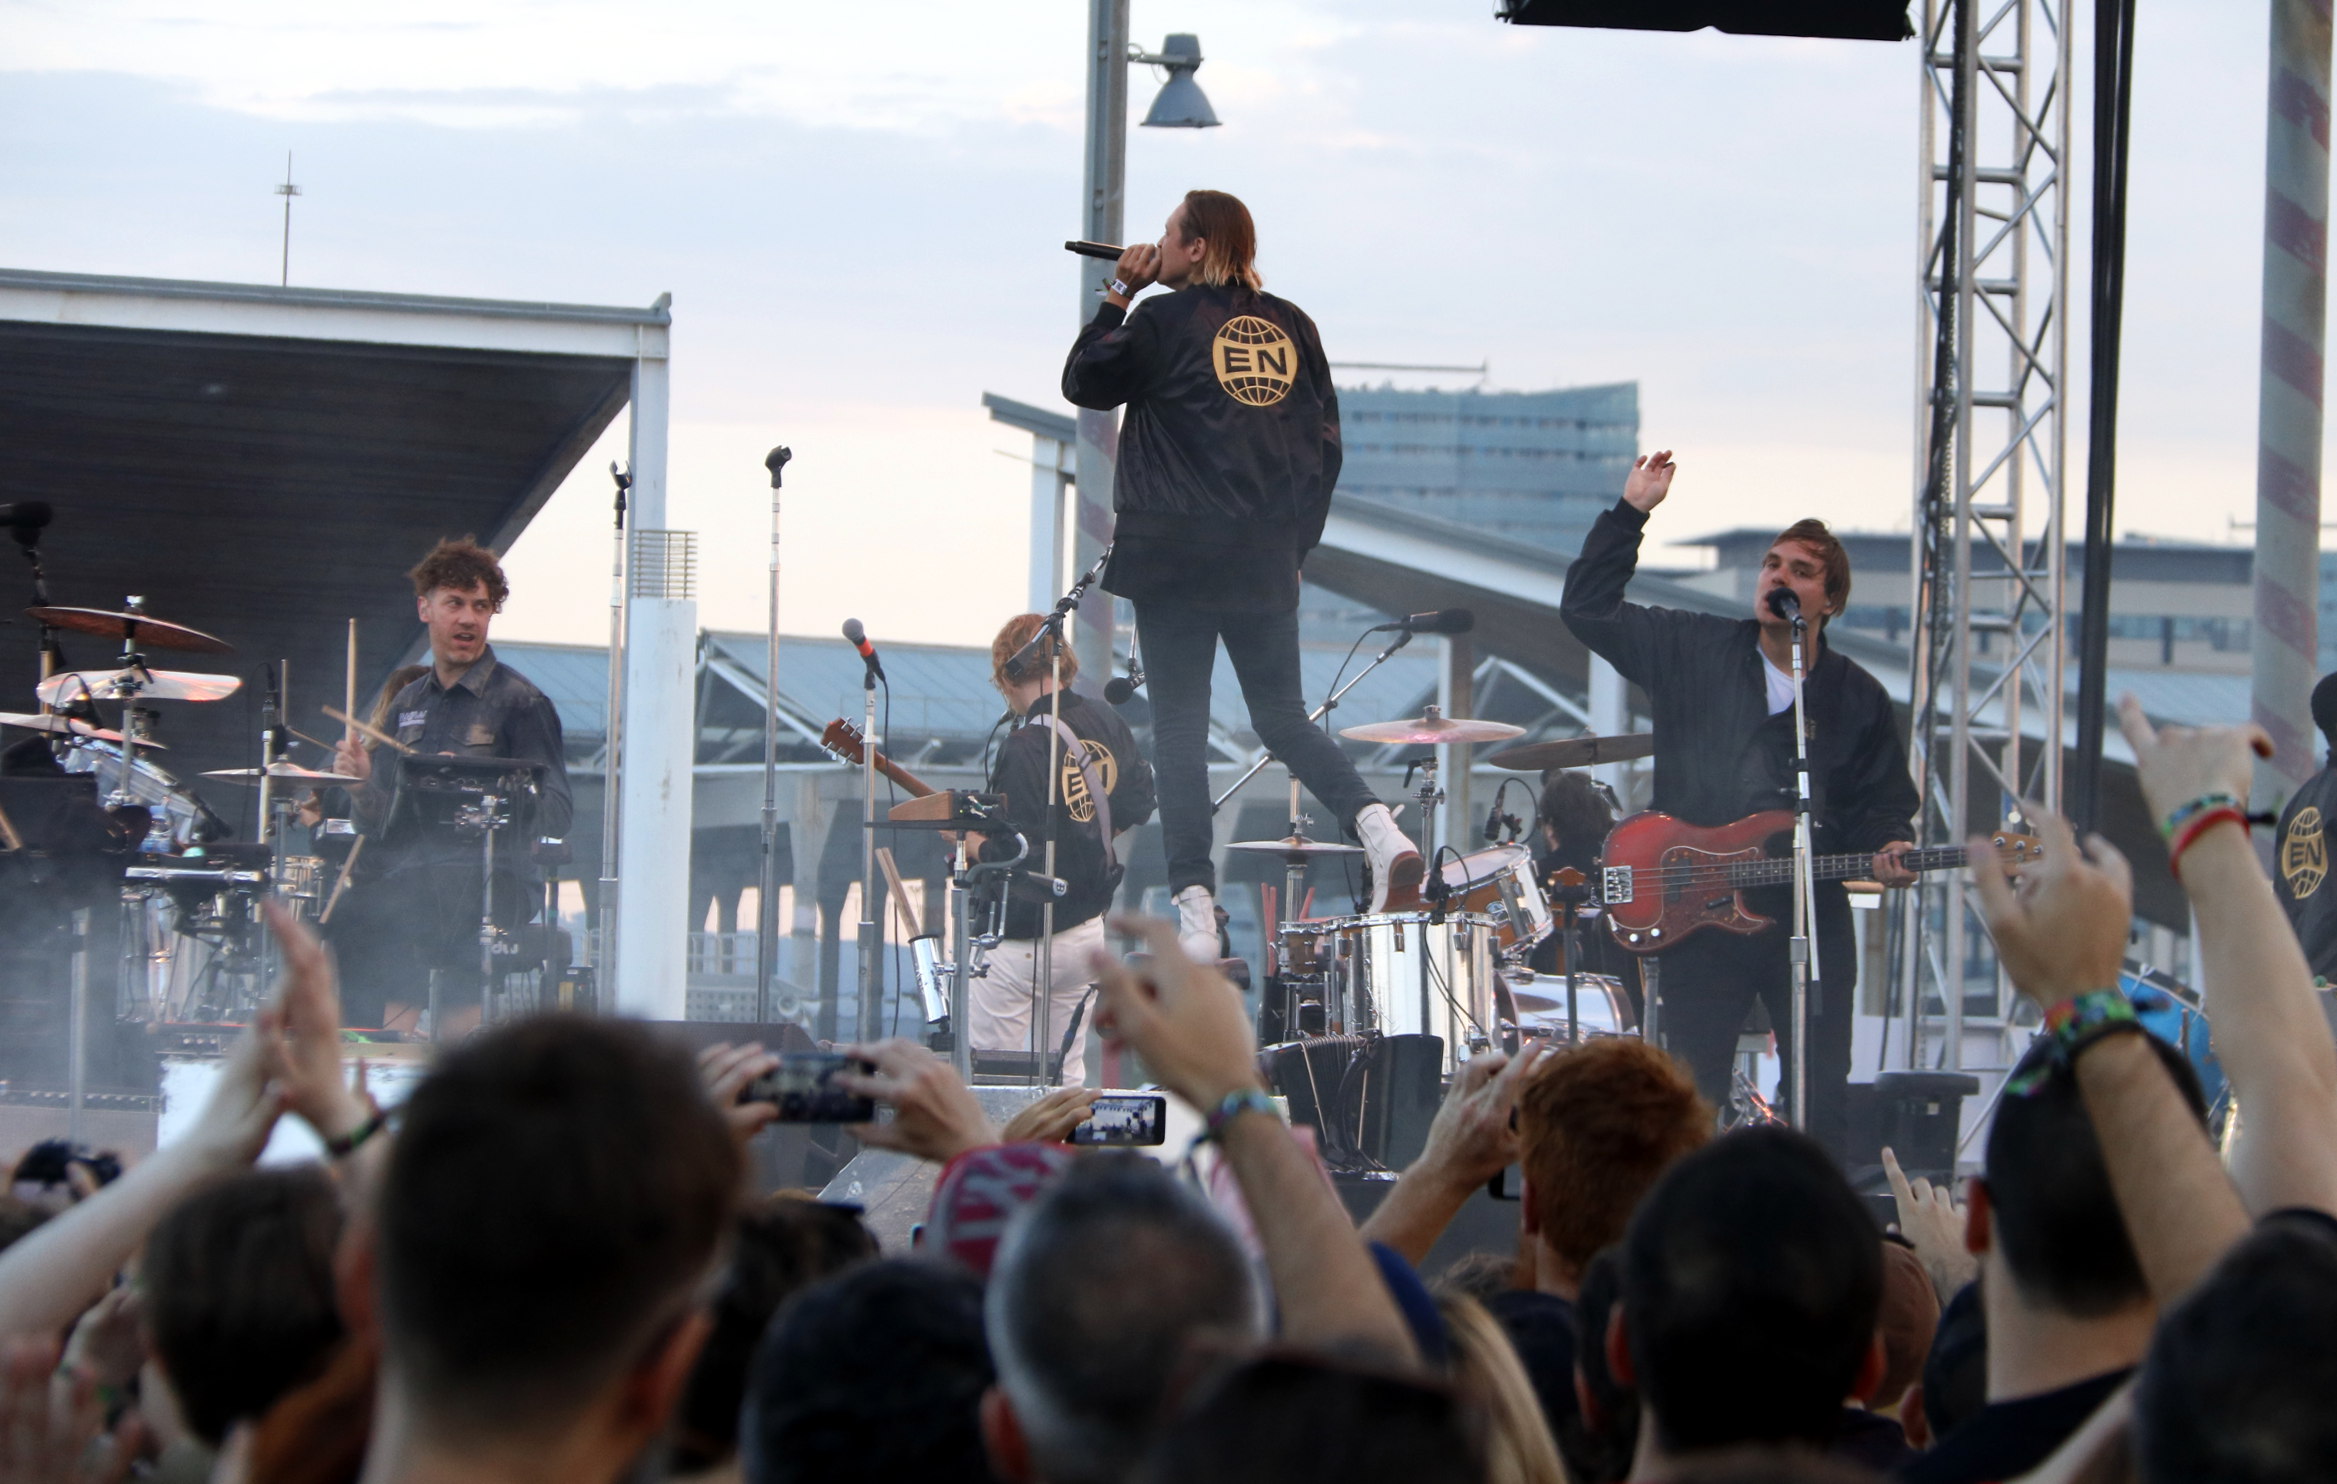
x=1470 y=1142
x=1625 y=634
x=1112 y=360
x=2270 y=1034
x=1187 y=1022
x=2062 y=936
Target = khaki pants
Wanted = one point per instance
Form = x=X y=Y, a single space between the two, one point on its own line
x=1002 y=1001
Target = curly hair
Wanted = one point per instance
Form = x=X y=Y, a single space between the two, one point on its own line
x=1597 y=1124
x=1041 y=661
x=461 y=565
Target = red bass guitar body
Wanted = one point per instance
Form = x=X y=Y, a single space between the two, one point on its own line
x=1665 y=878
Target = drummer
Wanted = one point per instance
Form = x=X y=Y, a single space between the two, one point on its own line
x=468 y=704
x=1575 y=813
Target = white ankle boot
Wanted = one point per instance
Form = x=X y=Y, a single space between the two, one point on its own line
x=1197 y=924
x=1396 y=868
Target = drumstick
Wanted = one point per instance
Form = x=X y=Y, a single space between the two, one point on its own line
x=341 y=882
x=368 y=728
x=892 y=876
x=349 y=674
x=8 y=832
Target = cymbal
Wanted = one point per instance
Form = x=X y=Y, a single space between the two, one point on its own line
x=1575 y=752
x=1432 y=728
x=64 y=726
x=1296 y=845
x=144 y=628
x=283 y=773
x=138 y=685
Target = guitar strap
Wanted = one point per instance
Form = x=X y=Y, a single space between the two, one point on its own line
x=1093 y=778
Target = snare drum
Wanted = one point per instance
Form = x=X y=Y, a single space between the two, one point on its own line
x=1401 y=974
x=1536 y=1005
x=1500 y=883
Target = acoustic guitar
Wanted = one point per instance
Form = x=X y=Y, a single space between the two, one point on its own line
x=846 y=743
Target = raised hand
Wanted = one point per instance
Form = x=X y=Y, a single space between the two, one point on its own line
x=2063 y=931
x=1139 y=267
x=2179 y=764
x=1650 y=480
x=1186 y=1020
x=935 y=1116
x=1473 y=1138
x=1930 y=1218
x=1050 y=1119
x=726 y=1070
x=302 y=1032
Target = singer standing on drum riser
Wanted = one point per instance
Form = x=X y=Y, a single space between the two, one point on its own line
x=1226 y=462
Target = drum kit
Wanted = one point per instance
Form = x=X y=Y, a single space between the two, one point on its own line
x=1457 y=968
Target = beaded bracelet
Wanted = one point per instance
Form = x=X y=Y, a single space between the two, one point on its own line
x=1232 y=1106
x=2185 y=813
x=2073 y=1025
x=2197 y=825
x=344 y=1145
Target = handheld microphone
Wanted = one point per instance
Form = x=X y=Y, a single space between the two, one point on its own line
x=1102 y=250
x=1121 y=688
x=858 y=638
x=1493 y=822
x=1785 y=605
x=1435 y=621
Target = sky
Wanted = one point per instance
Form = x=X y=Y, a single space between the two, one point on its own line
x=858 y=212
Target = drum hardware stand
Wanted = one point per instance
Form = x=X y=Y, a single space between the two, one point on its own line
x=1570 y=889
x=969 y=876
x=1808 y=980
x=767 y=895
x=1330 y=704
x=485 y=815
x=1428 y=795
x=1043 y=960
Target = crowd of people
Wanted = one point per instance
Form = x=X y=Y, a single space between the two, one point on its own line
x=546 y=1265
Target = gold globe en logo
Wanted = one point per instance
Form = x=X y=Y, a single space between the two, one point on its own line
x=2304 y=854
x=1255 y=362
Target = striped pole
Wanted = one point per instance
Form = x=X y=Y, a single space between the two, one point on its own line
x=2288 y=415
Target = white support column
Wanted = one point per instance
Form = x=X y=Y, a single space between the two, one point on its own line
x=1610 y=716
x=659 y=722
x=1051 y=469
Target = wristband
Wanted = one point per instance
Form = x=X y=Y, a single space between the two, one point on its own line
x=2184 y=813
x=1120 y=287
x=344 y=1145
x=1232 y=1106
x=2073 y=1025
x=2199 y=824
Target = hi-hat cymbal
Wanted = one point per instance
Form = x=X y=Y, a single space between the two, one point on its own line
x=1575 y=752
x=137 y=685
x=143 y=628
x=1296 y=845
x=1432 y=728
x=65 y=726
x=283 y=773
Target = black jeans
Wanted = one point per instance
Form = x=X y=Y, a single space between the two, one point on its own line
x=1180 y=650
x=1709 y=982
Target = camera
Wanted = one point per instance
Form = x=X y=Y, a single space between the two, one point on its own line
x=1124 y=1119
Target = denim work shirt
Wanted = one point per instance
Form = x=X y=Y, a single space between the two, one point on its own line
x=492 y=711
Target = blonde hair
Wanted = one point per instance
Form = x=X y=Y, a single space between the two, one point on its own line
x=1224 y=223
x=1488 y=1375
x=1040 y=664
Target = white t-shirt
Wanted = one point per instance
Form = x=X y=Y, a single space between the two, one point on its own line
x=1780 y=684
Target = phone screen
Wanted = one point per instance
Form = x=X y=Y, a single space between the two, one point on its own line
x=803 y=1087
x=1129 y=1119
x=1509 y=1185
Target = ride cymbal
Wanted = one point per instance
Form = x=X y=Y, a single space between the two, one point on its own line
x=1575 y=752
x=141 y=628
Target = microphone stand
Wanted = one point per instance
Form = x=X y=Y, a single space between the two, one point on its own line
x=871 y=949
x=612 y=730
x=1329 y=705
x=1808 y=981
x=767 y=898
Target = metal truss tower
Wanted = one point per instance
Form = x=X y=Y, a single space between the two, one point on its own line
x=1988 y=640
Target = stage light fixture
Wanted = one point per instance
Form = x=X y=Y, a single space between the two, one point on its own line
x=1181 y=103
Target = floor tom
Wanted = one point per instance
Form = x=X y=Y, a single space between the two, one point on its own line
x=1400 y=973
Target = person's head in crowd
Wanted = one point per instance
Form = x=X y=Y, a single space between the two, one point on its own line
x=1601 y=1432
x=977 y=1195
x=1292 y=1419
x=236 y=1293
x=1477 y=1275
x=1485 y=1372
x=2325 y=711
x=1103 y=1291
x=1910 y=1316
x=546 y=1238
x=1575 y=813
x=55 y=1173
x=778 y=1247
x=1769 y=1466
x=875 y=1376
x=2237 y=1386
x=1752 y=1276
x=2062 y=1287
x=1597 y=1125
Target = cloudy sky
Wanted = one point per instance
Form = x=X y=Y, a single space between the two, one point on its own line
x=857 y=210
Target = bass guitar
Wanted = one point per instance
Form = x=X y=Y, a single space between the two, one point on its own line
x=1662 y=879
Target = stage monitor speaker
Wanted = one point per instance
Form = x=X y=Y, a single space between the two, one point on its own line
x=1403 y=1081
x=1918 y=1115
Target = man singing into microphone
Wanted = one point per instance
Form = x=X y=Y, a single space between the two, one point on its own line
x=1226 y=463
x=1722 y=694
x=1103 y=791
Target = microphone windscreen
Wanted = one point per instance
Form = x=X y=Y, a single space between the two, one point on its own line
x=1453 y=621
x=853 y=631
x=1119 y=689
x=1783 y=603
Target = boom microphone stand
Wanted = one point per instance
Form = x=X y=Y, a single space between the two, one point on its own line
x=767 y=900
x=1808 y=981
x=605 y=961
x=1329 y=705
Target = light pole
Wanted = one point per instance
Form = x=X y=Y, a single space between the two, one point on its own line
x=1180 y=105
